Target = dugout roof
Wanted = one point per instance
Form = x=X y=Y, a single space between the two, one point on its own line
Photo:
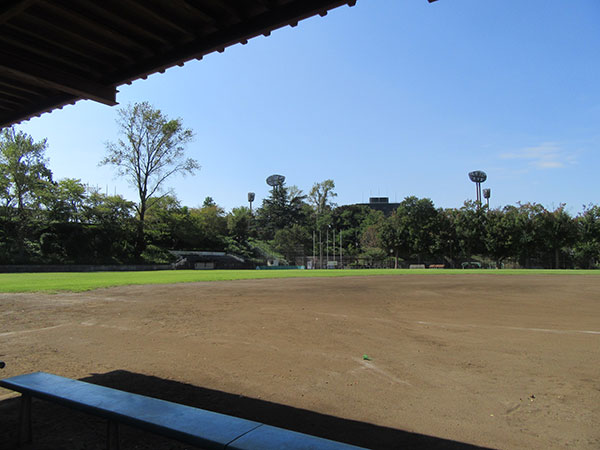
x=55 y=52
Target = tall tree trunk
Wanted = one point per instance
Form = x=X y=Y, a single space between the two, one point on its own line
x=21 y=228
x=140 y=244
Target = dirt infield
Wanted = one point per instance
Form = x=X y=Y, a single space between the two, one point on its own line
x=506 y=362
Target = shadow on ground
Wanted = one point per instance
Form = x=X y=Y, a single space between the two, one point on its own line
x=56 y=427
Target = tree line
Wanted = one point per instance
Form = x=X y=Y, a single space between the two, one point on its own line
x=47 y=221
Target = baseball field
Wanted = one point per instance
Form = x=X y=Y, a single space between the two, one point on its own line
x=504 y=360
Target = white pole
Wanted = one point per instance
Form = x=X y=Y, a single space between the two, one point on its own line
x=334 y=244
x=314 y=256
x=341 y=257
x=320 y=250
x=327 y=247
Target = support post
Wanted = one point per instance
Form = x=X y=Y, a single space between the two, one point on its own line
x=25 y=420
x=112 y=435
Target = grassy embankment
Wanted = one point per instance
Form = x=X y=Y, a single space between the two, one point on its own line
x=79 y=282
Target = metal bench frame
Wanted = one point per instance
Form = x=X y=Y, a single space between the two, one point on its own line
x=198 y=427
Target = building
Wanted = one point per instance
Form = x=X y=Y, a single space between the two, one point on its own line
x=381 y=204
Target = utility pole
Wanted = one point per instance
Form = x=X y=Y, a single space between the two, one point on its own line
x=320 y=250
x=334 y=244
x=327 y=247
x=314 y=256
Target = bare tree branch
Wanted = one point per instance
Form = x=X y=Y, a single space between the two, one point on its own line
x=151 y=152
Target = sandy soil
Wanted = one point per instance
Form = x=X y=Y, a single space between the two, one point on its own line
x=506 y=362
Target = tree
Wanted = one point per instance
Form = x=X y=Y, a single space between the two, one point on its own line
x=348 y=220
x=502 y=234
x=24 y=177
x=211 y=224
x=65 y=200
x=112 y=228
x=446 y=240
x=163 y=222
x=208 y=201
x=320 y=197
x=321 y=194
x=102 y=209
x=560 y=233
x=394 y=237
x=470 y=224
x=282 y=209
x=150 y=152
x=370 y=230
x=238 y=223
x=412 y=230
x=292 y=243
x=587 y=248
x=530 y=229
x=23 y=169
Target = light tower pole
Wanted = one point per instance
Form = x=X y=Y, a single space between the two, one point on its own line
x=478 y=177
x=487 y=193
x=251 y=197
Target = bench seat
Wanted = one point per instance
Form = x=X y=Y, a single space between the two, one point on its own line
x=198 y=427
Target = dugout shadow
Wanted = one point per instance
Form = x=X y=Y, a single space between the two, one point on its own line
x=56 y=427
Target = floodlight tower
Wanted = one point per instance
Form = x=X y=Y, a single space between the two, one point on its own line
x=275 y=181
x=251 y=197
x=487 y=193
x=478 y=177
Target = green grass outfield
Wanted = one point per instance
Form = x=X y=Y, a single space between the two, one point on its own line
x=85 y=281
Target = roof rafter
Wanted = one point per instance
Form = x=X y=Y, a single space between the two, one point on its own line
x=45 y=23
x=17 y=7
x=289 y=14
x=99 y=10
x=56 y=79
x=94 y=24
x=55 y=52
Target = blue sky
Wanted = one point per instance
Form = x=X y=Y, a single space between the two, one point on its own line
x=387 y=98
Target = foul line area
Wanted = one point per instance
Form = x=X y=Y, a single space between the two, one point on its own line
x=540 y=330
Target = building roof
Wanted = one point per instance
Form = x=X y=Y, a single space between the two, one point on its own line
x=55 y=52
x=382 y=203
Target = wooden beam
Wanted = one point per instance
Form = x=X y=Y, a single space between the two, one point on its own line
x=145 y=10
x=112 y=51
x=14 y=9
x=99 y=26
x=287 y=13
x=209 y=20
x=235 y=12
x=4 y=101
x=15 y=115
x=77 y=40
x=55 y=79
x=15 y=86
x=7 y=92
x=41 y=49
x=100 y=10
x=36 y=35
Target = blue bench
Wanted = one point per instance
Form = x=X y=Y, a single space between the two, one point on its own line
x=198 y=427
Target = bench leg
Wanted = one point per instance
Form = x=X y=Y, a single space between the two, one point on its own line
x=25 y=420
x=113 y=435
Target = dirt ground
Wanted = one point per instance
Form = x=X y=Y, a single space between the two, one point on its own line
x=456 y=361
